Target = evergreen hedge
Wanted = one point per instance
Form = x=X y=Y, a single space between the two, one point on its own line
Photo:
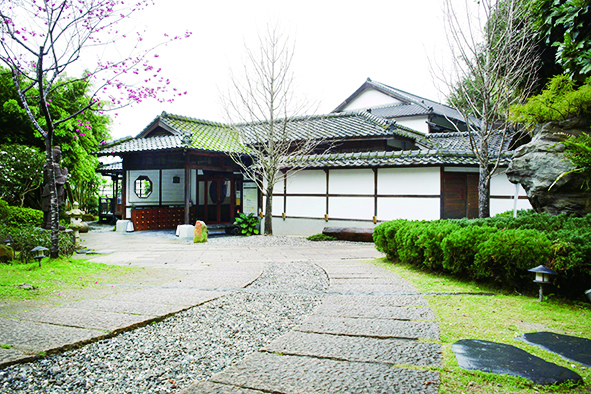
x=499 y=249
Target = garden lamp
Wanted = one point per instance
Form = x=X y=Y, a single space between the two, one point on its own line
x=38 y=253
x=543 y=274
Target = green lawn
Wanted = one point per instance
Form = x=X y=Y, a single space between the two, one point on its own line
x=499 y=318
x=53 y=277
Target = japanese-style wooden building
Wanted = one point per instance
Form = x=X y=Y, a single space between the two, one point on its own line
x=394 y=155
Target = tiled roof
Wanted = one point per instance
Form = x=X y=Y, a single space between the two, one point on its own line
x=336 y=127
x=211 y=136
x=461 y=141
x=390 y=159
x=187 y=133
x=415 y=105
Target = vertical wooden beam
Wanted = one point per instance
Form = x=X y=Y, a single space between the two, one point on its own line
x=327 y=194
x=160 y=188
x=375 y=194
x=284 y=195
x=187 y=188
x=441 y=194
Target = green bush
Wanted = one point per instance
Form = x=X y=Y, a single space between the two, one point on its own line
x=431 y=240
x=506 y=256
x=17 y=216
x=384 y=236
x=499 y=249
x=25 y=238
x=460 y=247
x=249 y=224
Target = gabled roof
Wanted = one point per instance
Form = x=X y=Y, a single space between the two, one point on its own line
x=461 y=141
x=338 y=126
x=171 y=132
x=180 y=132
x=390 y=159
x=412 y=105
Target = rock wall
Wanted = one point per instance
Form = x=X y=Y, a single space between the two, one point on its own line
x=537 y=165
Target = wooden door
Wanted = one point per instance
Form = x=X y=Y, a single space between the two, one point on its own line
x=460 y=195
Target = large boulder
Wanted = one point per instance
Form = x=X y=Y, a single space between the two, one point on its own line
x=539 y=163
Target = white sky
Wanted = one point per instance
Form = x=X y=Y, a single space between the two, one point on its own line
x=338 y=45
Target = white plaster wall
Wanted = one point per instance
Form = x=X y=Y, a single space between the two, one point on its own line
x=351 y=208
x=306 y=181
x=153 y=198
x=500 y=186
x=370 y=98
x=499 y=205
x=408 y=208
x=277 y=205
x=305 y=207
x=417 y=180
x=351 y=181
x=307 y=227
x=418 y=123
x=173 y=193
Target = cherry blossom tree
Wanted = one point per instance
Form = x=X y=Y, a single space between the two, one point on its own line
x=41 y=40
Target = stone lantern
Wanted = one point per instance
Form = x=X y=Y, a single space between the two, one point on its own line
x=76 y=223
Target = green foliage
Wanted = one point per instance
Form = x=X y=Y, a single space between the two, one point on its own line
x=460 y=247
x=578 y=152
x=248 y=224
x=321 y=237
x=78 y=137
x=21 y=171
x=564 y=27
x=560 y=100
x=506 y=256
x=24 y=238
x=498 y=249
x=16 y=216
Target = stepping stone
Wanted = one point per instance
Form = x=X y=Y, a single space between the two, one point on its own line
x=500 y=358
x=376 y=312
x=216 y=388
x=272 y=373
x=572 y=348
x=108 y=321
x=361 y=349
x=376 y=328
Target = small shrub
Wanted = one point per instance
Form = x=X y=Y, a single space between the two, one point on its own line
x=384 y=236
x=249 y=224
x=25 y=238
x=17 y=216
x=460 y=247
x=321 y=237
x=506 y=256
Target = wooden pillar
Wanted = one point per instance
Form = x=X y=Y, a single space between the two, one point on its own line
x=187 y=188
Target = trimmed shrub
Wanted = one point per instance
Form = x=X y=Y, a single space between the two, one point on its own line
x=384 y=236
x=431 y=239
x=460 y=247
x=17 y=216
x=506 y=256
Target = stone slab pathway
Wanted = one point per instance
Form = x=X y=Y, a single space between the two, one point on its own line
x=371 y=334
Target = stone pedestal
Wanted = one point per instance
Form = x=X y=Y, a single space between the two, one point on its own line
x=123 y=226
x=185 y=231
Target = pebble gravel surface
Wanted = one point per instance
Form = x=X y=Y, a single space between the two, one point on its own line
x=190 y=346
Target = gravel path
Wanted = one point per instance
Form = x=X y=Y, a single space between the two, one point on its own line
x=190 y=346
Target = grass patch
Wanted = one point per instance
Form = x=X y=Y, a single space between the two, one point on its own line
x=321 y=237
x=500 y=318
x=53 y=276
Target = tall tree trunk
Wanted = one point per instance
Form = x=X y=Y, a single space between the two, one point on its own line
x=269 y=211
x=54 y=208
x=484 y=192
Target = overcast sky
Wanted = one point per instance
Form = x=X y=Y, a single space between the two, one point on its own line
x=338 y=45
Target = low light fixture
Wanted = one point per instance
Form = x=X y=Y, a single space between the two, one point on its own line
x=543 y=274
x=38 y=253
